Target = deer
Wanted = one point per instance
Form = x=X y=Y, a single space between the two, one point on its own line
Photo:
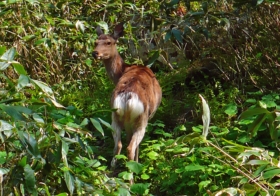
x=136 y=97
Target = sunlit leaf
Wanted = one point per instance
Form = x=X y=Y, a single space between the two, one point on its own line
x=4 y=126
x=9 y=55
x=80 y=25
x=4 y=171
x=104 y=26
x=153 y=155
x=4 y=65
x=145 y=176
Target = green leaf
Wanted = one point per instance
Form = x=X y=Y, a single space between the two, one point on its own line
x=43 y=86
x=139 y=188
x=153 y=155
x=203 y=184
x=123 y=192
x=23 y=161
x=28 y=38
x=231 y=109
x=177 y=34
x=173 y=2
x=16 y=111
x=2 y=50
x=251 y=101
x=167 y=36
x=252 y=112
x=19 y=68
x=134 y=166
x=271 y=119
x=38 y=118
x=255 y=126
x=145 y=176
x=103 y=26
x=153 y=56
x=258 y=162
x=70 y=182
x=64 y=152
x=88 y=62
x=9 y=55
x=126 y=175
x=271 y=173
x=4 y=171
x=84 y=122
x=205 y=6
x=62 y=194
x=30 y=143
x=97 y=125
x=29 y=179
x=4 y=65
x=194 y=167
x=3 y=158
x=105 y=123
x=23 y=81
x=120 y=156
x=6 y=128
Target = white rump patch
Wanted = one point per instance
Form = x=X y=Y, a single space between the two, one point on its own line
x=128 y=105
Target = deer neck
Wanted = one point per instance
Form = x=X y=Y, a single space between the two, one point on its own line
x=115 y=67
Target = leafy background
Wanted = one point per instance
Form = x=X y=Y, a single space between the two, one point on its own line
x=55 y=116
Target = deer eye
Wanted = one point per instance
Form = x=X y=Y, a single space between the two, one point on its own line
x=108 y=43
x=95 y=43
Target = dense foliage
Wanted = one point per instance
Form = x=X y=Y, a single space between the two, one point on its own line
x=55 y=118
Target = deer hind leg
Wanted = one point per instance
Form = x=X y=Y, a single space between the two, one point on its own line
x=128 y=139
x=117 y=140
x=133 y=147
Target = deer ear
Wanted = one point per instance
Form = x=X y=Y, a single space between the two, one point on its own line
x=118 y=31
x=99 y=31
